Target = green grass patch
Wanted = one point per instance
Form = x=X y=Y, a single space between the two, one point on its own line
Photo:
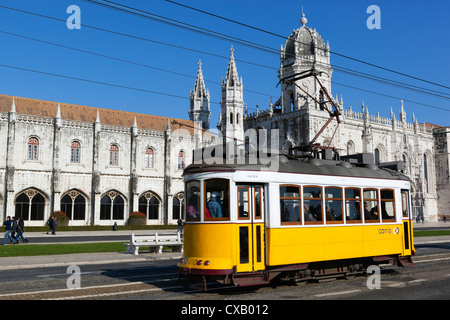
x=98 y=228
x=431 y=233
x=52 y=249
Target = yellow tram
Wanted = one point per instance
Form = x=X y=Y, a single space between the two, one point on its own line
x=247 y=224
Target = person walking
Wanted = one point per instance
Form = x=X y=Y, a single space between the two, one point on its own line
x=52 y=224
x=14 y=228
x=8 y=224
x=180 y=224
x=21 y=230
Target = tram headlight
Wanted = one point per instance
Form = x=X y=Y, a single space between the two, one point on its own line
x=199 y=262
x=206 y=263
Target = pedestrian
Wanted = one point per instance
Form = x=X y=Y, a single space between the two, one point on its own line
x=21 y=230
x=14 y=230
x=180 y=224
x=52 y=224
x=49 y=224
x=8 y=224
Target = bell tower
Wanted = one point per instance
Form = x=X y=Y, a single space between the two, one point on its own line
x=304 y=51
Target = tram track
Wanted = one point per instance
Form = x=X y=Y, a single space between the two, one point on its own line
x=165 y=286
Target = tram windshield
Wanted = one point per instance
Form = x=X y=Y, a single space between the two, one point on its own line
x=193 y=197
x=216 y=199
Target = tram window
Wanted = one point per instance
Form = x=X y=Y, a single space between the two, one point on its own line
x=258 y=202
x=290 y=204
x=243 y=203
x=333 y=205
x=371 y=205
x=216 y=199
x=193 y=200
x=353 y=205
x=312 y=203
x=387 y=205
x=405 y=210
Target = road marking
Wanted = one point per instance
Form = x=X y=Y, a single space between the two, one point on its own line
x=336 y=293
x=114 y=293
x=402 y=284
x=431 y=260
x=64 y=274
x=86 y=288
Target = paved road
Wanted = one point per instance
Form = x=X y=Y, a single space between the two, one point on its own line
x=154 y=277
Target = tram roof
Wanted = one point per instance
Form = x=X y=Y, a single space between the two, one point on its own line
x=281 y=163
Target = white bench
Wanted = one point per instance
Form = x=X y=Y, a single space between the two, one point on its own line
x=155 y=242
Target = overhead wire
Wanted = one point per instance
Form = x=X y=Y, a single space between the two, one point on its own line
x=145 y=14
x=118 y=59
x=281 y=36
x=181 y=47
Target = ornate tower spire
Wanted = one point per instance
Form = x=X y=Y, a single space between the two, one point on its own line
x=199 y=110
x=232 y=77
x=232 y=104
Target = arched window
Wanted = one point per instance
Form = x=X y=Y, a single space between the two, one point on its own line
x=149 y=205
x=105 y=208
x=114 y=155
x=37 y=207
x=350 y=148
x=30 y=205
x=178 y=206
x=22 y=207
x=153 y=208
x=181 y=160
x=73 y=204
x=377 y=156
x=79 y=208
x=118 y=208
x=425 y=171
x=66 y=206
x=33 y=149
x=149 y=158
x=112 y=206
x=75 y=152
x=231 y=118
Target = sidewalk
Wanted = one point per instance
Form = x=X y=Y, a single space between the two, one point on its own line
x=10 y=263
x=440 y=224
x=14 y=263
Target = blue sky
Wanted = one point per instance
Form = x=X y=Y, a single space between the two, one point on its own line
x=413 y=39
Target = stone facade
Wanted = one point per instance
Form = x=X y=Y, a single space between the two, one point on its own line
x=442 y=143
x=96 y=165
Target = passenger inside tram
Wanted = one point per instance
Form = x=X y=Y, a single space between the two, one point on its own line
x=371 y=214
x=214 y=206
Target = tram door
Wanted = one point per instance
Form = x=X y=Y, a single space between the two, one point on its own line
x=407 y=223
x=250 y=228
